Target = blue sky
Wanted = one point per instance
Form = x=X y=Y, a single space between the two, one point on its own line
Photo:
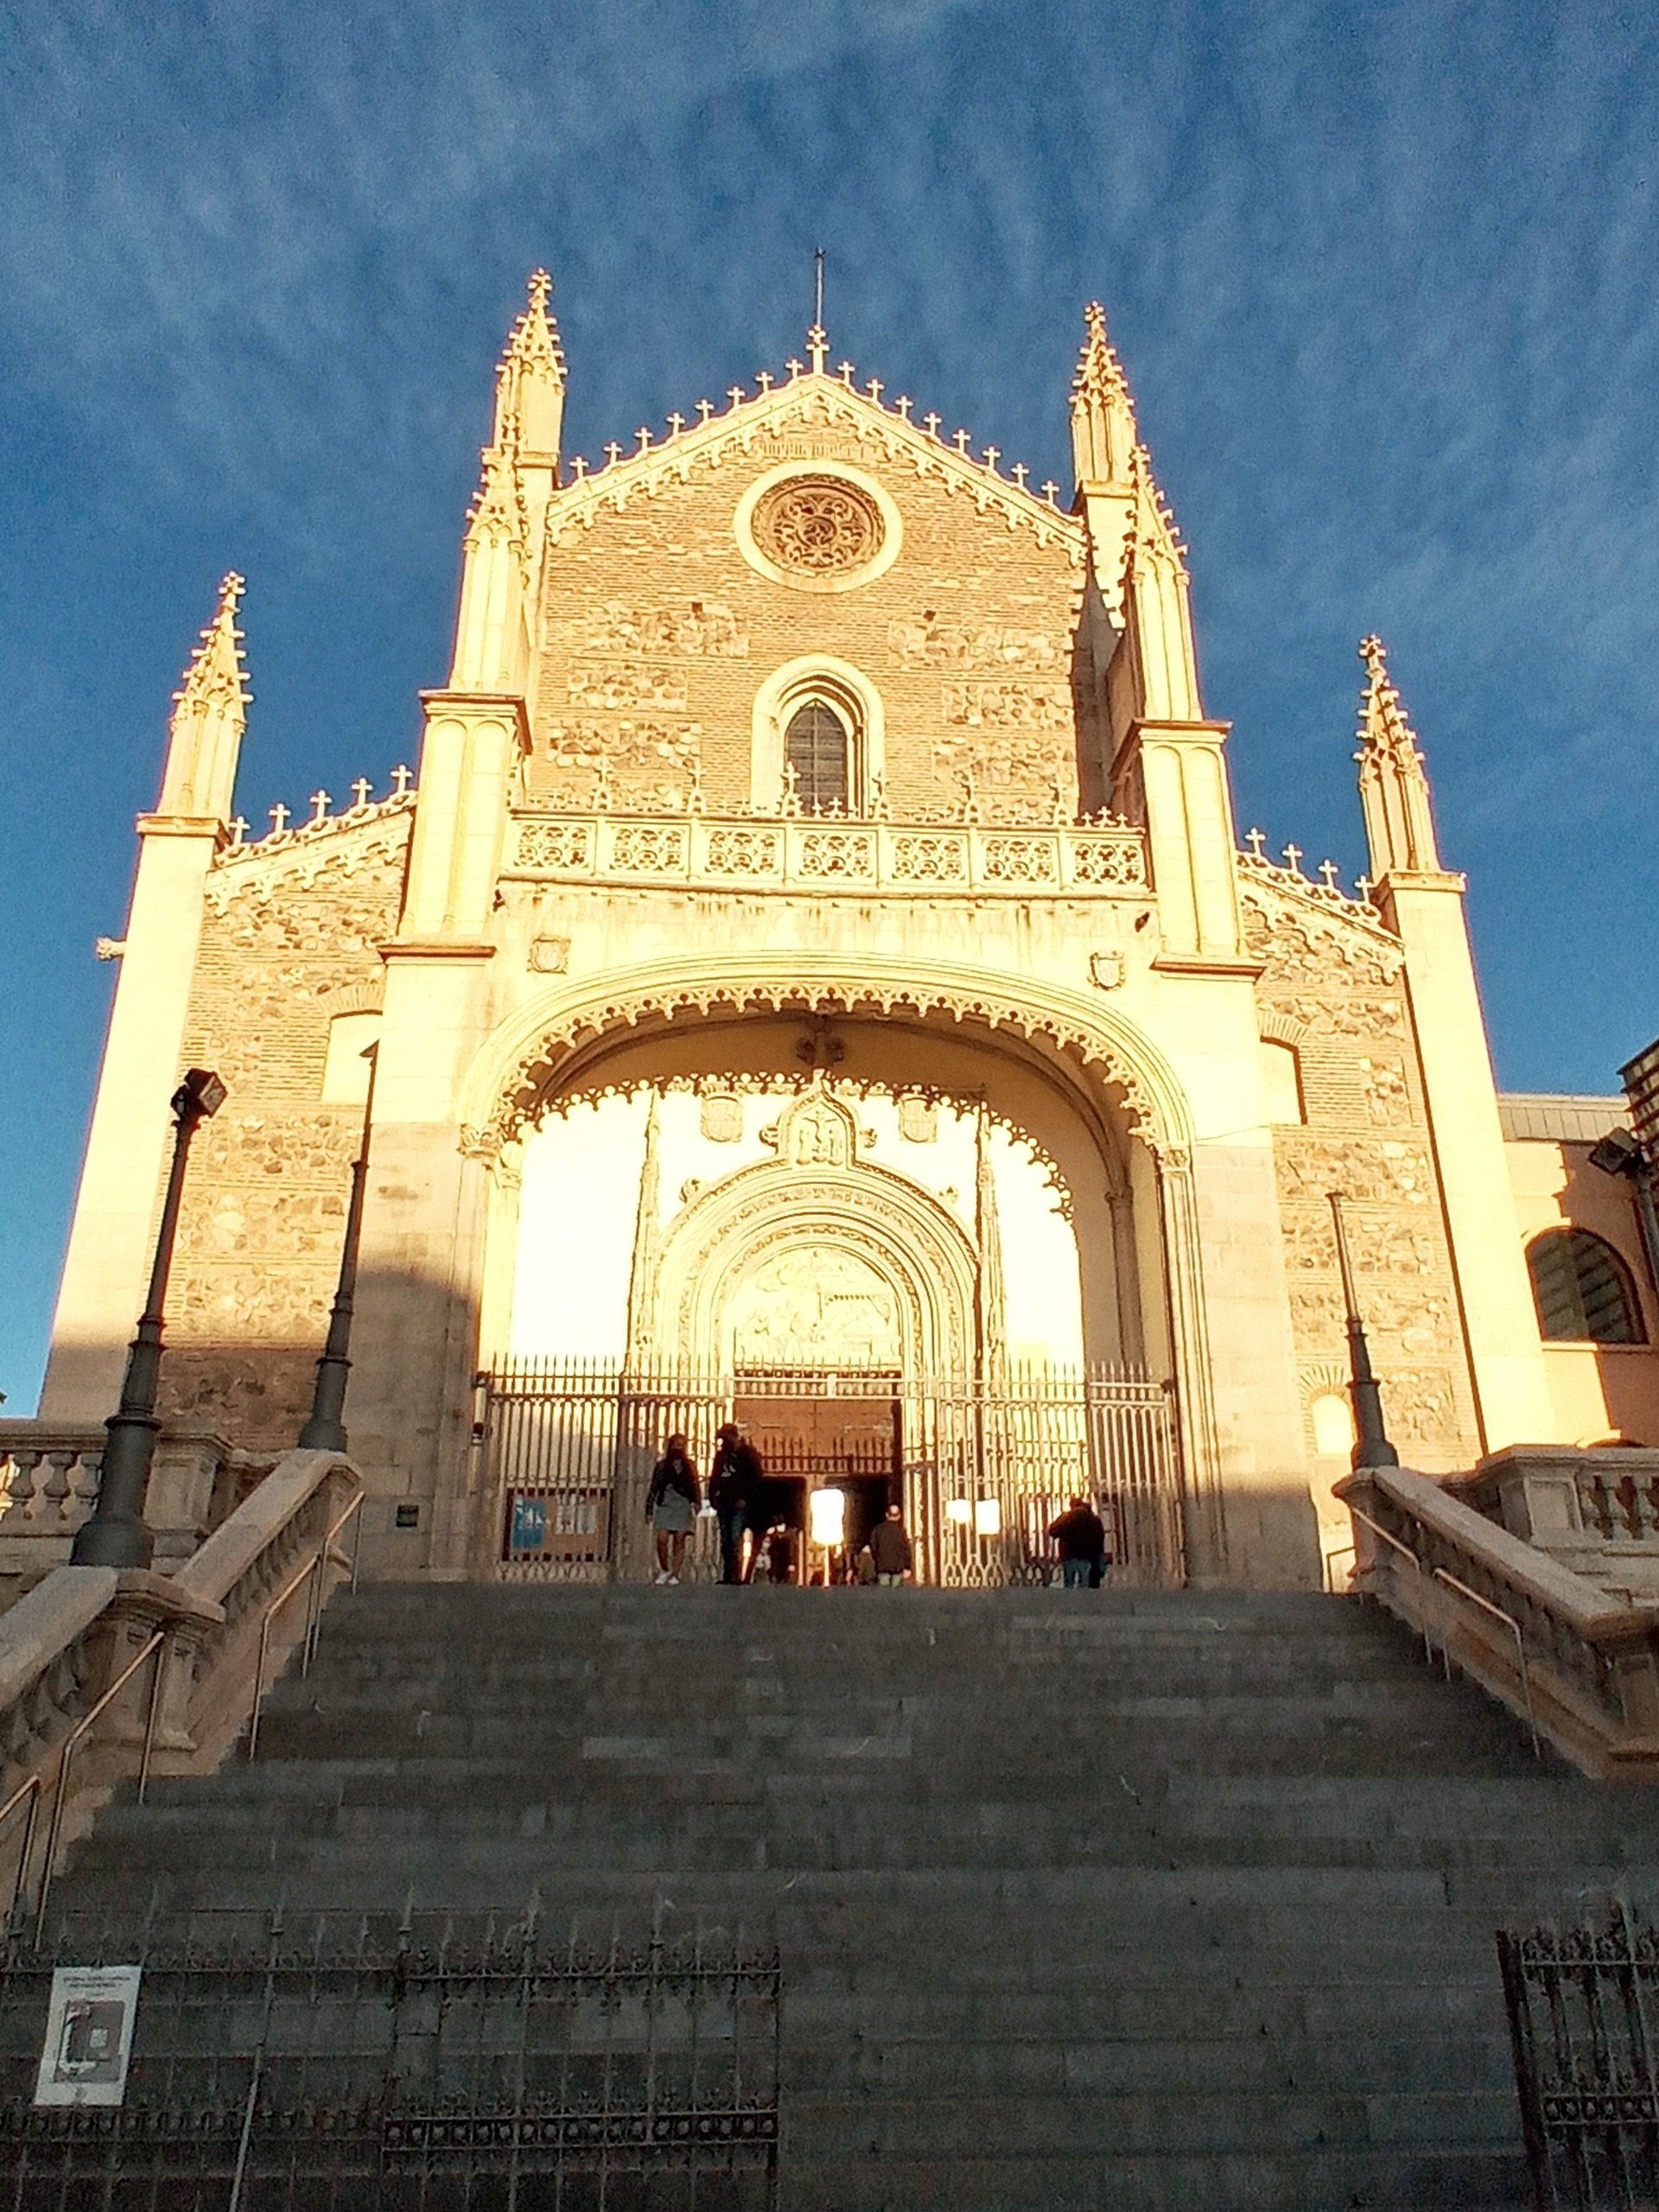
x=1383 y=278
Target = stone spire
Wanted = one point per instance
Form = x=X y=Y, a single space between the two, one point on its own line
x=642 y=1274
x=1393 y=787
x=209 y=716
x=530 y=382
x=491 y=638
x=1103 y=432
x=992 y=1297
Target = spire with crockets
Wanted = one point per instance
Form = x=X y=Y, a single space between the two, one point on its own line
x=1393 y=787
x=530 y=382
x=209 y=716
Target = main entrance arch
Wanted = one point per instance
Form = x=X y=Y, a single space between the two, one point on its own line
x=818 y=1252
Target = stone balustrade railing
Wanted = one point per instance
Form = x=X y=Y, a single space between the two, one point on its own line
x=828 y=853
x=1596 y=1511
x=70 y=1639
x=48 y=1480
x=1580 y=1663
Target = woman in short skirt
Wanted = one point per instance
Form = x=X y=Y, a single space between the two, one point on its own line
x=672 y=1505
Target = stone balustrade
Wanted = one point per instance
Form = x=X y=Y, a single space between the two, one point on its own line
x=48 y=1481
x=66 y=1642
x=1579 y=1661
x=829 y=853
x=1597 y=1511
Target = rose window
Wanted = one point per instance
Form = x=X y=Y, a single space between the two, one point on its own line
x=818 y=526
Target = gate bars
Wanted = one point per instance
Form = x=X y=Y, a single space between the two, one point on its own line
x=1583 y=2007
x=565 y=1448
x=375 y=2063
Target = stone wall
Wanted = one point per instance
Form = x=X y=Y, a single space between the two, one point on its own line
x=657 y=632
x=288 y=941
x=1333 y=991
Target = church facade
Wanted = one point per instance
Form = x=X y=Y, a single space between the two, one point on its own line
x=815 y=978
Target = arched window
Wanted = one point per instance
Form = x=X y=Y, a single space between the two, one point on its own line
x=815 y=746
x=1582 y=1290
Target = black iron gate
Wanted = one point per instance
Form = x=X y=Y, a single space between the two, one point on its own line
x=1584 y=2021
x=437 y=2062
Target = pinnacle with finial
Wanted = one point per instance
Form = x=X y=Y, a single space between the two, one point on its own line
x=1382 y=722
x=216 y=676
x=533 y=342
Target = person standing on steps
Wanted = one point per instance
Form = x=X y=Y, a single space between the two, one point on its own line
x=736 y=1486
x=1079 y=1535
x=671 y=1503
x=890 y=1548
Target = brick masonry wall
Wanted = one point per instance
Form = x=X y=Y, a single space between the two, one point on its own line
x=657 y=634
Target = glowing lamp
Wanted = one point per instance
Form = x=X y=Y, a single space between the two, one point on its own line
x=828 y=1517
x=959 y=1510
x=987 y=1516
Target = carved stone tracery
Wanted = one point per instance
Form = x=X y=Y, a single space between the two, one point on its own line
x=818 y=526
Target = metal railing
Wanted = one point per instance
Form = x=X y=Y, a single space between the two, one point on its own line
x=1510 y=1622
x=315 y=1569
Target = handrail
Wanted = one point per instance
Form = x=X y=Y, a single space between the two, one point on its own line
x=60 y=1785
x=314 y=1569
x=1336 y=1552
x=1514 y=1627
x=30 y=1788
x=1388 y=1537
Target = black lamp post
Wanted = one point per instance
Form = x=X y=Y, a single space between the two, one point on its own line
x=1371 y=1444
x=115 y=1533
x=324 y=1430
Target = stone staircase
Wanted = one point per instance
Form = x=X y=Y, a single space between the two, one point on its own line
x=1116 y=1901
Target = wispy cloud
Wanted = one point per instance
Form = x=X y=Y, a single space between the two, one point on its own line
x=1382 y=278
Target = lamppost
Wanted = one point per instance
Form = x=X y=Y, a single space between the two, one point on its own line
x=324 y=1430
x=115 y=1534
x=1371 y=1444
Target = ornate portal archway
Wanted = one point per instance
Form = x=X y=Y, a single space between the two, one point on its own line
x=816 y=1258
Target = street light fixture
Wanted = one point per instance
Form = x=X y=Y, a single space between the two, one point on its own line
x=324 y=1430
x=1620 y=1153
x=115 y=1534
x=1371 y=1444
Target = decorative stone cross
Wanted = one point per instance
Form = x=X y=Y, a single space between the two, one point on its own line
x=238 y=832
x=845 y=371
x=993 y=454
x=321 y=802
x=613 y=453
x=705 y=409
x=931 y=423
x=734 y=392
x=791 y=788
x=1051 y=490
x=1328 y=871
x=1364 y=885
x=797 y=369
x=676 y=424
x=400 y=780
x=902 y=405
x=279 y=819
x=873 y=388
x=959 y=439
x=643 y=437
x=578 y=465
x=360 y=791
x=765 y=379
x=817 y=345
x=1257 y=842
x=1293 y=859
x=1021 y=470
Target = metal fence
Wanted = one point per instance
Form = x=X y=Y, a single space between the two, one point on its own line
x=447 y=2063
x=1584 y=2022
x=980 y=1469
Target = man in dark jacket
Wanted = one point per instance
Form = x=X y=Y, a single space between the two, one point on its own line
x=1079 y=1535
x=736 y=1486
x=890 y=1548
